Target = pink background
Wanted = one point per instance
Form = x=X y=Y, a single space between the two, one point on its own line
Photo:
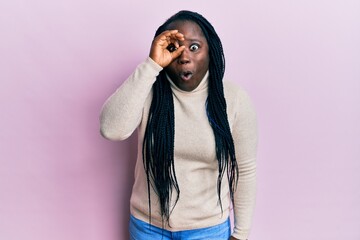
x=60 y=60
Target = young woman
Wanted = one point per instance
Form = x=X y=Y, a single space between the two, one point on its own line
x=196 y=137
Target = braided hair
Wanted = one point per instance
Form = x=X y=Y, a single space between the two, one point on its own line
x=158 y=145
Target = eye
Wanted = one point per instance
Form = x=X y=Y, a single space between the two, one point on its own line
x=171 y=47
x=194 y=47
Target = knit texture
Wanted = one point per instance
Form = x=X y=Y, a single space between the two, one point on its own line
x=194 y=154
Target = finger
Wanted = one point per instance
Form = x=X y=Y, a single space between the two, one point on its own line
x=177 y=36
x=176 y=43
x=180 y=36
x=168 y=37
x=177 y=52
x=165 y=35
x=172 y=31
x=172 y=34
x=168 y=33
x=163 y=42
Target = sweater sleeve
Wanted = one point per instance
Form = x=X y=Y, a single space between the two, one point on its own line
x=122 y=111
x=245 y=140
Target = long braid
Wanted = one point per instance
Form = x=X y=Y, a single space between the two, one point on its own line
x=158 y=146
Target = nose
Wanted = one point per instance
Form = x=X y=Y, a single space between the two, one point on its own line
x=184 y=58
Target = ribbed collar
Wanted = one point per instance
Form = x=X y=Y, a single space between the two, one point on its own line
x=203 y=85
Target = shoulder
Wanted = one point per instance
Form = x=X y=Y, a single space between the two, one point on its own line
x=240 y=109
x=238 y=101
x=235 y=92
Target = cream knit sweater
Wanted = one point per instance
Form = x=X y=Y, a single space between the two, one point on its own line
x=194 y=155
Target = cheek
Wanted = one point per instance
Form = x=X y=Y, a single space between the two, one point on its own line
x=205 y=63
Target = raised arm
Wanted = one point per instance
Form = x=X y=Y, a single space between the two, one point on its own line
x=122 y=111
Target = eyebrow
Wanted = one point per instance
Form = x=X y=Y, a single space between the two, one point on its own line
x=193 y=40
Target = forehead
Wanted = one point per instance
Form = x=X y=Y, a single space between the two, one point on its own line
x=190 y=29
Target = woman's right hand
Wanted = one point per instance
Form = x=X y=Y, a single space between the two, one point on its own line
x=159 y=48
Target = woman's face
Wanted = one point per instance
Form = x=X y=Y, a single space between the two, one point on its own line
x=190 y=67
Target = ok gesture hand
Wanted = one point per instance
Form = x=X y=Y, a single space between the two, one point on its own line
x=165 y=47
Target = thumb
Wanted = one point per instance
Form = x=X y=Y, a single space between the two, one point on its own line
x=177 y=52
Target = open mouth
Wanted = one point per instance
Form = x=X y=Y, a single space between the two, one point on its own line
x=186 y=76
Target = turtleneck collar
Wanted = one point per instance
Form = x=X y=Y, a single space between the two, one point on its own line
x=202 y=85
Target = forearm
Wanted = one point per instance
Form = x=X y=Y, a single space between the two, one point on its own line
x=122 y=111
x=244 y=199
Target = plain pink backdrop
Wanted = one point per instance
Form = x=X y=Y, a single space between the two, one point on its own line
x=60 y=60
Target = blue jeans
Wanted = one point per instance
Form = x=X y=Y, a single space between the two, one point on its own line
x=140 y=230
